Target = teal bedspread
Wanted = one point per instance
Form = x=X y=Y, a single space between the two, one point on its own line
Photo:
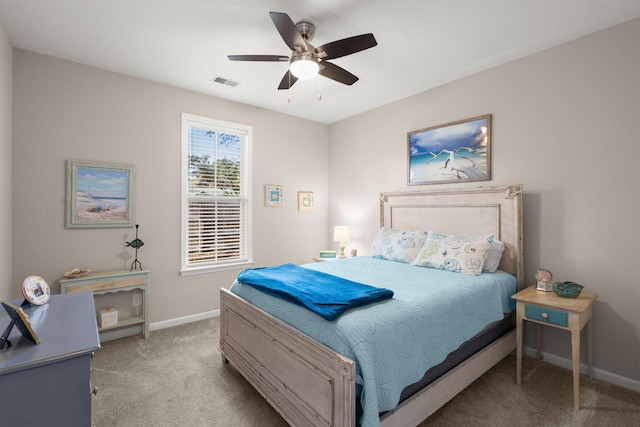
x=396 y=341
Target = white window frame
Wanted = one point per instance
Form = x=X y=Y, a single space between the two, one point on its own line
x=246 y=133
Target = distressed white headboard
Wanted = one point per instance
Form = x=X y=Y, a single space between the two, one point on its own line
x=468 y=211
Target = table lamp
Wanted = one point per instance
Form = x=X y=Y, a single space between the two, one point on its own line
x=341 y=234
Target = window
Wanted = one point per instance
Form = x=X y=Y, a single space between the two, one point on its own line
x=216 y=202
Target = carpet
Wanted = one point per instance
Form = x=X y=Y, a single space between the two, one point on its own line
x=176 y=378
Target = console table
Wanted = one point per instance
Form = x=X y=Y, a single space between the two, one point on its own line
x=105 y=282
x=48 y=384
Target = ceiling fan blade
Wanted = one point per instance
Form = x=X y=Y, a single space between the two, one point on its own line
x=288 y=31
x=336 y=73
x=287 y=81
x=270 y=58
x=346 y=46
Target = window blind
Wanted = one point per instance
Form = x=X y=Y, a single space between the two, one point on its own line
x=217 y=203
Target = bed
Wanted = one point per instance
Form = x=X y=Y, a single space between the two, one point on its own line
x=310 y=383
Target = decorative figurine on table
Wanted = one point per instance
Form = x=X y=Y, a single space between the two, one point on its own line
x=543 y=280
x=567 y=289
x=136 y=244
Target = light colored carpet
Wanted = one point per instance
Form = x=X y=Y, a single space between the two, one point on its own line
x=176 y=378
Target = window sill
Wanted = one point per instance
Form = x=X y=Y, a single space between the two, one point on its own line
x=215 y=268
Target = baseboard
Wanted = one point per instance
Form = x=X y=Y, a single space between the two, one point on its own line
x=600 y=374
x=182 y=320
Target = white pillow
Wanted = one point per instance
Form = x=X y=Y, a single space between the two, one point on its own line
x=461 y=254
x=492 y=262
x=398 y=245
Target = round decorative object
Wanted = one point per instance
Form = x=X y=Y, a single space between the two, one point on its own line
x=543 y=280
x=36 y=290
x=543 y=275
x=567 y=289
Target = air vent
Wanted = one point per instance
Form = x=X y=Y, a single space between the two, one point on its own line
x=226 y=82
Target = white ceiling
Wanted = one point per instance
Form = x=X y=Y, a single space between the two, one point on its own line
x=185 y=43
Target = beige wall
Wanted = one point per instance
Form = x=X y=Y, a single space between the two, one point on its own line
x=64 y=110
x=6 y=101
x=566 y=123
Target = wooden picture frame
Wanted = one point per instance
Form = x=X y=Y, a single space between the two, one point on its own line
x=273 y=195
x=99 y=194
x=305 y=201
x=453 y=152
x=19 y=319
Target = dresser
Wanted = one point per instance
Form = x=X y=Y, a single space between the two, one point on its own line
x=48 y=384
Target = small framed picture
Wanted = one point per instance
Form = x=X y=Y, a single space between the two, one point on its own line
x=305 y=201
x=273 y=195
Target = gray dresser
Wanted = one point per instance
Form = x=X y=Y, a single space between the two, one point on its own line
x=48 y=384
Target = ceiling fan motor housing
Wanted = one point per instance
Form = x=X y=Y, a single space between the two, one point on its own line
x=307 y=29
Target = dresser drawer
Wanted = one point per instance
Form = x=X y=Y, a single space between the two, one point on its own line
x=545 y=314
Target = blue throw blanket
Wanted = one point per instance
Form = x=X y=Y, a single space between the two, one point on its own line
x=324 y=294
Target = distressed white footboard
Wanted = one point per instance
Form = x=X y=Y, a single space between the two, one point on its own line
x=306 y=382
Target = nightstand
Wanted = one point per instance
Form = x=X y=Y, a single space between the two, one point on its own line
x=571 y=314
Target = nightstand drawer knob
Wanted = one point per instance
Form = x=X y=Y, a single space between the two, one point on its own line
x=544 y=315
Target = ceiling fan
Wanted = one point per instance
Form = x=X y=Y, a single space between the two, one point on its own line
x=307 y=61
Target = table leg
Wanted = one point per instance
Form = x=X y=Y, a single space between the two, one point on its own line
x=539 y=341
x=590 y=347
x=575 y=356
x=519 y=346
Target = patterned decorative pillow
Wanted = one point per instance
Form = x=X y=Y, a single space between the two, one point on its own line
x=461 y=254
x=494 y=255
x=398 y=245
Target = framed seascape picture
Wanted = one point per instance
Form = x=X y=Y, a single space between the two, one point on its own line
x=454 y=152
x=99 y=195
x=273 y=195
x=305 y=201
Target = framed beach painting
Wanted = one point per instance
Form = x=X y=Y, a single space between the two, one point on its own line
x=453 y=152
x=99 y=195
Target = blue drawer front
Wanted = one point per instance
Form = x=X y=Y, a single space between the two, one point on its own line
x=545 y=314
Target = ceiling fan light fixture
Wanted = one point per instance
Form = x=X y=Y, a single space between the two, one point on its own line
x=303 y=66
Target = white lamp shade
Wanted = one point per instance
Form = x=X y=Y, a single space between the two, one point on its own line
x=304 y=68
x=341 y=233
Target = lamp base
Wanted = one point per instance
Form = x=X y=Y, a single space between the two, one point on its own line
x=342 y=255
